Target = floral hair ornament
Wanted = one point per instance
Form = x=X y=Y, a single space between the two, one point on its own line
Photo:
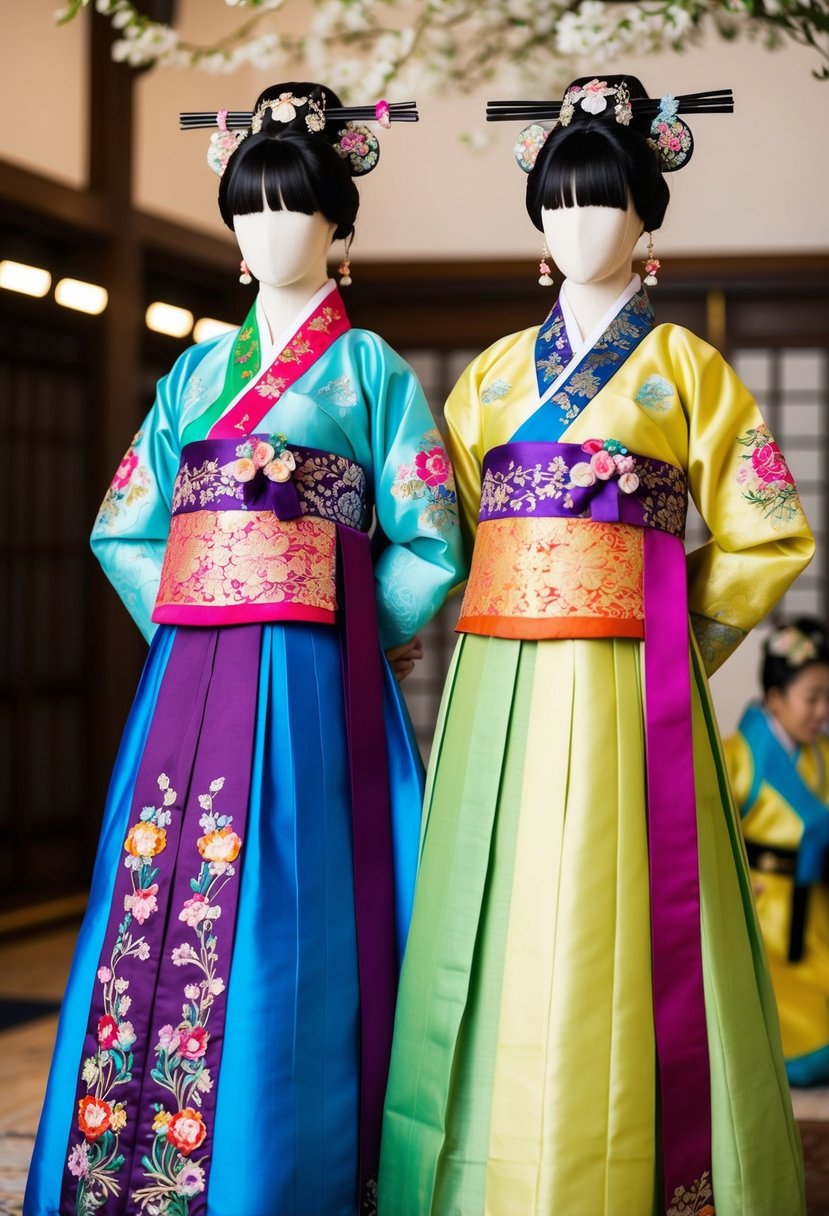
x=656 y=119
x=791 y=644
x=343 y=125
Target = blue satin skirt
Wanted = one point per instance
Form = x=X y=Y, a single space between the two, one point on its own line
x=286 y=1123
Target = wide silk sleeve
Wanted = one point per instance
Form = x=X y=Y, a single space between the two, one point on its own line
x=415 y=496
x=130 y=533
x=465 y=442
x=740 y=768
x=759 y=538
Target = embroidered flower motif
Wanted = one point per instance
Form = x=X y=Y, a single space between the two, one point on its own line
x=107 y=1031
x=190 y=1180
x=695 y=1200
x=94 y=1117
x=271 y=385
x=339 y=393
x=765 y=478
x=193 y=1042
x=79 y=1160
x=145 y=840
x=496 y=391
x=223 y=845
x=186 y=1130
x=429 y=477
x=129 y=485
x=656 y=394
x=194 y=910
x=142 y=904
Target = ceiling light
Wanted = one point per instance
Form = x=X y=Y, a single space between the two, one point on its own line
x=30 y=280
x=209 y=327
x=168 y=319
x=83 y=297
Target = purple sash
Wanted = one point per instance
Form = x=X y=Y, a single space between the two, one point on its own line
x=656 y=501
x=145 y=1101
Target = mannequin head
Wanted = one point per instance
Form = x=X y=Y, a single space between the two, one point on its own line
x=280 y=246
x=796 y=678
x=595 y=162
x=286 y=167
x=589 y=244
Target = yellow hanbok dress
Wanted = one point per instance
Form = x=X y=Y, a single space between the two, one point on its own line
x=779 y=806
x=524 y=1075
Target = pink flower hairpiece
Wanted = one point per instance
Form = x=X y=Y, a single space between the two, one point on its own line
x=795 y=647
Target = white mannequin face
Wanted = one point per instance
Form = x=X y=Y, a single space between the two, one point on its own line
x=589 y=244
x=281 y=247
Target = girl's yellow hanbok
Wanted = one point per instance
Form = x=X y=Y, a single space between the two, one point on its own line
x=524 y=1075
x=783 y=795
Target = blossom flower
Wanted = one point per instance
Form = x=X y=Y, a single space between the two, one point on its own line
x=281 y=468
x=243 y=470
x=119 y=1117
x=79 y=1160
x=182 y=954
x=216 y=986
x=126 y=1035
x=142 y=903
x=190 y=1179
x=592 y=445
x=193 y=1042
x=161 y=1122
x=191 y=991
x=167 y=1038
x=628 y=483
x=204 y=1081
x=125 y=470
x=89 y=1072
x=582 y=474
x=263 y=454
x=124 y=1005
x=769 y=464
x=186 y=1130
x=624 y=464
x=145 y=840
x=107 y=1031
x=193 y=911
x=94 y=1117
x=143 y=951
x=223 y=845
x=121 y=985
x=432 y=467
x=603 y=465
x=104 y=975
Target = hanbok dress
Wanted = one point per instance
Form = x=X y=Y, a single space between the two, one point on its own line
x=585 y=1023
x=224 y=1037
x=782 y=793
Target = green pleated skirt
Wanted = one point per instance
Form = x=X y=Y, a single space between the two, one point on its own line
x=523 y=1076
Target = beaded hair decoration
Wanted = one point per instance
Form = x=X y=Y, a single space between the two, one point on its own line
x=354 y=141
x=667 y=134
x=796 y=647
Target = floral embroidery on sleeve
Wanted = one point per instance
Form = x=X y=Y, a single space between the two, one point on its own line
x=656 y=393
x=129 y=485
x=430 y=477
x=765 y=477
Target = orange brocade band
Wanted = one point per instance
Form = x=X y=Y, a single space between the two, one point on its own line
x=241 y=566
x=553 y=577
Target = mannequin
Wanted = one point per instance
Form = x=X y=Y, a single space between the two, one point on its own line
x=556 y=1049
x=225 y=1033
x=778 y=766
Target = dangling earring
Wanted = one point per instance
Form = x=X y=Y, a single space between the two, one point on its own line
x=545 y=279
x=652 y=264
x=244 y=275
x=344 y=268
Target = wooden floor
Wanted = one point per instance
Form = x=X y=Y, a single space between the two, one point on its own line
x=34 y=969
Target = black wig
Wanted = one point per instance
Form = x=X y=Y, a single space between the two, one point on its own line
x=284 y=165
x=597 y=162
x=780 y=670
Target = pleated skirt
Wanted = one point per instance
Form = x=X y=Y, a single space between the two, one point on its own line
x=523 y=1077
x=286 y=1120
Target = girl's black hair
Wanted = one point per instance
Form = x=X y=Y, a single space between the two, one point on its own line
x=780 y=671
x=597 y=162
x=287 y=166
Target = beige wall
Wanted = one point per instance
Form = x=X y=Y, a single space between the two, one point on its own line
x=758 y=181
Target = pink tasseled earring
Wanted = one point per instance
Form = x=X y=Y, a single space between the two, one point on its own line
x=652 y=264
x=344 y=268
x=244 y=273
x=545 y=278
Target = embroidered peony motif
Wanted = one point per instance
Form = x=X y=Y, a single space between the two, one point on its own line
x=430 y=477
x=765 y=478
x=129 y=485
x=182 y=1051
x=656 y=394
